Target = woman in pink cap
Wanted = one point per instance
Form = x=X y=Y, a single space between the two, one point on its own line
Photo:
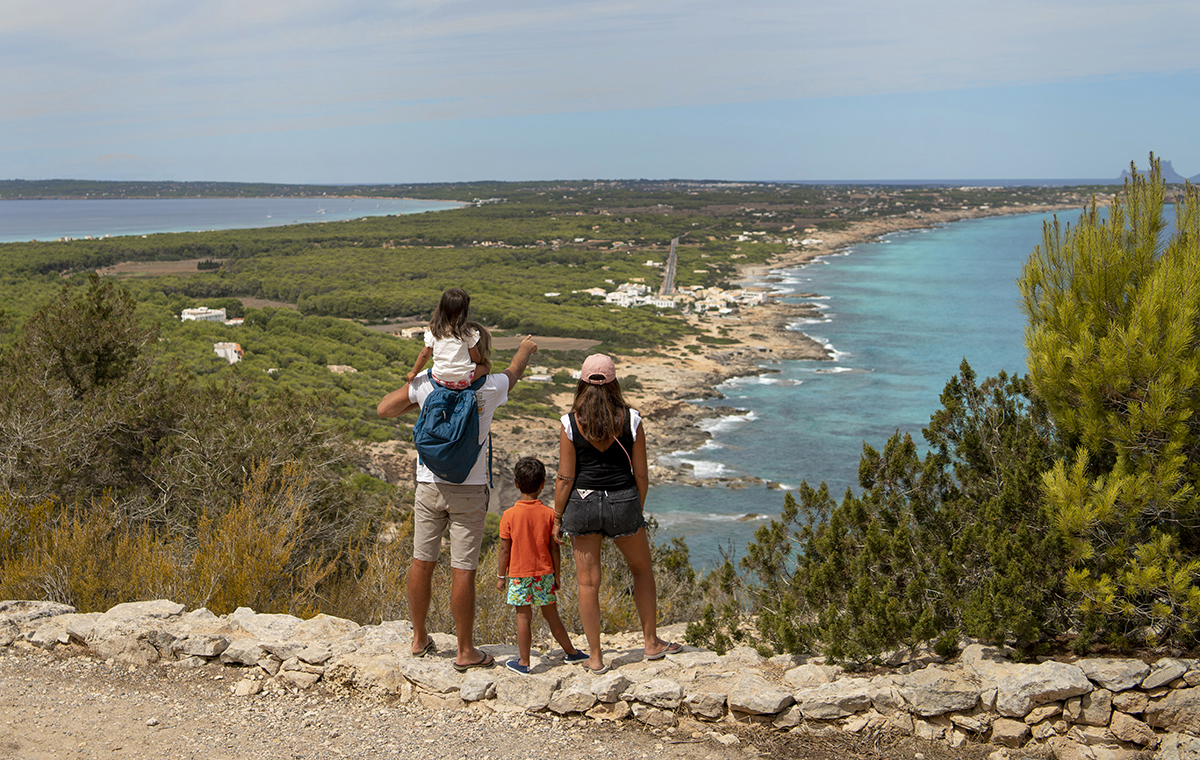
x=600 y=491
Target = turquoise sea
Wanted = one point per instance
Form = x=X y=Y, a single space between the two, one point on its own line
x=900 y=315
x=25 y=220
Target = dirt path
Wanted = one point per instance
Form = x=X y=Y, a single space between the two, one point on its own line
x=55 y=707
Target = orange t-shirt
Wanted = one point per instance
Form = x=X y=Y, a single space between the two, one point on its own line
x=528 y=524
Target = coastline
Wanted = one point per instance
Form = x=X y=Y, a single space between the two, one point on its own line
x=688 y=370
x=670 y=379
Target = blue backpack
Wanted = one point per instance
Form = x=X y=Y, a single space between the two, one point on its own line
x=447 y=431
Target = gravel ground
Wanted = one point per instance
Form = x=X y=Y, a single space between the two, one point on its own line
x=54 y=707
x=68 y=704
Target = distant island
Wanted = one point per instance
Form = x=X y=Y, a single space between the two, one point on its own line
x=1169 y=175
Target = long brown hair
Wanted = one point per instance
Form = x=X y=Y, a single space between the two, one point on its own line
x=449 y=318
x=484 y=346
x=599 y=409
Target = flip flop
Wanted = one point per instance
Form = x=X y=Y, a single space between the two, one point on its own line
x=428 y=648
x=487 y=662
x=603 y=669
x=672 y=647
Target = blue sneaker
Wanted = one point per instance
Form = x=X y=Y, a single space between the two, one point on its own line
x=516 y=667
x=577 y=657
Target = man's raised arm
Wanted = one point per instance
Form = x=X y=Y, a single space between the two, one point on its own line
x=395 y=403
x=520 y=360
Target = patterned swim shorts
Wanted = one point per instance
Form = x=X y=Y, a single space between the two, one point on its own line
x=537 y=591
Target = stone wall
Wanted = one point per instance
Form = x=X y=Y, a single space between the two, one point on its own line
x=1096 y=708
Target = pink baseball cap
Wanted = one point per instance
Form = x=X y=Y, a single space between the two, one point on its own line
x=598 y=369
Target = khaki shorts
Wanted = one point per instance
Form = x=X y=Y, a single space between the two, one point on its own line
x=463 y=509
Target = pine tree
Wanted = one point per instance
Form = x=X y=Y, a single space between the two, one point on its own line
x=1114 y=351
x=950 y=543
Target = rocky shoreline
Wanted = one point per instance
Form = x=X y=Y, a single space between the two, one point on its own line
x=671 y=378
x=763 y=336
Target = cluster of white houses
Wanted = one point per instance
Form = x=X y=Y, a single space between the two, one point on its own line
x=230 y=352
x=687 y=299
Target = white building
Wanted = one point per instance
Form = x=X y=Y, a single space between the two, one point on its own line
x=230 y=352
x=203 y=314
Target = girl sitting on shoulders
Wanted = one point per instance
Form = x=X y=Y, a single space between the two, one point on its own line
x=452 y=343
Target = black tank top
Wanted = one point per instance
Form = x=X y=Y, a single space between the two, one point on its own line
x=608 y=470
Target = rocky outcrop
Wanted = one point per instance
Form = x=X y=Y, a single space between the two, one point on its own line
x=1088 y=709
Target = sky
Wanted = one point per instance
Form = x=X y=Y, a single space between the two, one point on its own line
x=396 y=91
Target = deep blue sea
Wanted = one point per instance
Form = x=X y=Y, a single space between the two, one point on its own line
x=900 y=314
x=25 y=220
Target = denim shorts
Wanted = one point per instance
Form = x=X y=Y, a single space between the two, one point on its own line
x=615 y=514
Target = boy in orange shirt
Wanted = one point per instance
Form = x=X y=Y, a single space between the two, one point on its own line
x=530 y=561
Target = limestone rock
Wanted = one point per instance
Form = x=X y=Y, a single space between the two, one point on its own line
x=1018 y=692
x=831 y=701
x=785 y=661
x=379 y=674
x=1129 y=729
x=440 y=701
x=1114 y=674
x=79 y=625
x=159 y=609
x=52 y=631
x=885 y=697
x=695 y=659
x=652 y=716
x=530 y=693
x=322 y=627
x=243 y=652
x=1164 y=672
x=1042 y=712
x=610 y=686
x=977 y=721
x=477 y=687
x=299 y=679
x=129 y=649
x=436 y=675
x=660 y=692
x=610 y=711
x=1009 y=733
x=22 y=614
x=704 y=704
x=757 y=696
x=1132 y=702
x=931 y=730
x=789 y=718
x=9 y=631
x=1178 y=747
x=1178 y=711
x=988 y=664
x=575 y=696
x=315 y=654
x=389 y=637
x=247 y=687
x=299 y=666
x=810 y=675
x=937 y=690
x=1192 y=677
x=266 y=627
x=200 y=645
x=1094 y=709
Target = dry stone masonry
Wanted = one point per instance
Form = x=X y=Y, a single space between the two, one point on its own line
x=1091 y=709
